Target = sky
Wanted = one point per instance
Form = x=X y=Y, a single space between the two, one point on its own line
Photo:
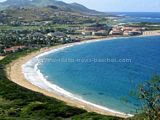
x=2 y=0
x=119 y=5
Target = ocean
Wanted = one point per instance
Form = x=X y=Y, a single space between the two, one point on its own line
x=103 y=72
x=153 y=17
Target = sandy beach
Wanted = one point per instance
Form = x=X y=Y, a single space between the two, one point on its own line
x=15 y=73
x=1 y=57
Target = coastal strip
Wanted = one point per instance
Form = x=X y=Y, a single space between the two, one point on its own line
x=15 y=73
x=151 y=33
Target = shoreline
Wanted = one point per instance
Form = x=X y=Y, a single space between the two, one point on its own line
x=16 y=74
x=38 y=79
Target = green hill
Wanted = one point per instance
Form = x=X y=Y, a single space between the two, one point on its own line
x=43 y=3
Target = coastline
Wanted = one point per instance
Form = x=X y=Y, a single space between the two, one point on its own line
x=15 y=73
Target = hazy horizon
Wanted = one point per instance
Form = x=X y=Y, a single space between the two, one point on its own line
x=118 y=5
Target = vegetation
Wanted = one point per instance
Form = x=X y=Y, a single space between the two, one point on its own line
x=18 y=103
x=60 y=5
x=39 y=26
x=149 y=94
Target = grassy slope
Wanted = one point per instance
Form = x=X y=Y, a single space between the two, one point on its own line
x=17 y=103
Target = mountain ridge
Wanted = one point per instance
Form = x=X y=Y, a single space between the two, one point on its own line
x=43 y=3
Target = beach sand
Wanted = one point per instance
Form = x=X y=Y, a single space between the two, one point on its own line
x=14 y=72
x=1 y=57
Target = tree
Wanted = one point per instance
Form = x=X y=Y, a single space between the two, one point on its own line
x=149 y=95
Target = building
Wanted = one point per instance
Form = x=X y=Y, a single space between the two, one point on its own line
x=130 y=31
x=90 y=28
x=59 y=34
x=128 y=28
x=116 y=32
x=100 y=33
x=87 y=33
x=13 y=49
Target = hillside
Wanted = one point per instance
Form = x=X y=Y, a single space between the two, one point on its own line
x=44 y=3
x=50 y=13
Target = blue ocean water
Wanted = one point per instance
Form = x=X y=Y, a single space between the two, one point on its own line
x=139 y=16
x=105 y=83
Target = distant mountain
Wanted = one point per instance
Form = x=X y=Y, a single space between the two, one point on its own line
x=43 y=3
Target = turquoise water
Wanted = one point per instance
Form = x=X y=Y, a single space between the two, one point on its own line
x=153 y=17
x=105 y=82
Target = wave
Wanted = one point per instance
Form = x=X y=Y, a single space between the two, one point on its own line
x=33 y=74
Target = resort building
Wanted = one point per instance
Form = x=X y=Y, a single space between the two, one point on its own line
x=14 y=49
x=87 y=33
x=116 y=30
x=100 y=33
x=129 y=31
